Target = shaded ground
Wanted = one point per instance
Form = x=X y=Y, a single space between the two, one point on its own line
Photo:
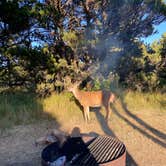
x=143 y=133
x=17 y=146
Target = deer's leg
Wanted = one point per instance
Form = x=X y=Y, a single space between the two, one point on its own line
x=86 y=113
x=88 y=116
x=107 y=108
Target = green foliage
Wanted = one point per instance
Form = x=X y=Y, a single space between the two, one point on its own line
x=23 y=66
x=162 y=63
x=145 y=72
x=71 y=38
x=18 y=21
x=43 y=42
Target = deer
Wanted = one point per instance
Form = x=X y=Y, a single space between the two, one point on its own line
x=89 y=99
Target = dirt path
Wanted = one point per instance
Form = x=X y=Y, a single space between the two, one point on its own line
x=17 y=146
x=143 y=133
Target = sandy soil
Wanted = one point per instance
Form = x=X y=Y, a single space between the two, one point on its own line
x=143 y=133
x=17 y=145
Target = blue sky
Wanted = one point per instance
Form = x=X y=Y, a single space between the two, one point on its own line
x=161 y=28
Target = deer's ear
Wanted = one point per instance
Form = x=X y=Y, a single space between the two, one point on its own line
x=78 y=83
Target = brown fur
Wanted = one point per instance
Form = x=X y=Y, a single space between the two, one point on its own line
x=93 y=99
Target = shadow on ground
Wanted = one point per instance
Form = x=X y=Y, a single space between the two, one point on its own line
x=159 y=135
x=129 y=159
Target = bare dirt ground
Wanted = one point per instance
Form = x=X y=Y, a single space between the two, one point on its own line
x=17 y=145
x=143 y=133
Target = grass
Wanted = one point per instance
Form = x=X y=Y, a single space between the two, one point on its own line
x=142 y=101
x=23 y=107
x=19 y=108
x=62 y=107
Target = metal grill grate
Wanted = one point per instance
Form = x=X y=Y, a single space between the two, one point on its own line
x=103 y=149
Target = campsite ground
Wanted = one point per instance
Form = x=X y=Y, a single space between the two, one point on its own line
x=142 y=131
x=145 y=143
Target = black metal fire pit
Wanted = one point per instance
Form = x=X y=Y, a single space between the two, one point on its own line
x=101 y=150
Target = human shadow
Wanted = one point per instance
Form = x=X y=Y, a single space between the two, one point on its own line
x=149 y=136
x=74 y=149
x=141 y=122
x=76 y=132
x=105 y=127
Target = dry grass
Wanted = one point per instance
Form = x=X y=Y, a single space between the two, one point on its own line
x=23 y=108
x=152 y=101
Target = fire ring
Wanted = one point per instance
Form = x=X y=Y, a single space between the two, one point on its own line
x=99 y=151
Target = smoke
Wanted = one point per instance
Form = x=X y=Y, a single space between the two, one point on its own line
x=113 y=49
x=107 y=53
x=105 y=46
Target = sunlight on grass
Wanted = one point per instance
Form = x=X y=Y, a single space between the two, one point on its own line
x=141 y=101
x=23 y=108
x=63 y=107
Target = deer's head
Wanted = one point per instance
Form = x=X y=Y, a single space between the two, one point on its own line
x=70 y=86
x=73 y=87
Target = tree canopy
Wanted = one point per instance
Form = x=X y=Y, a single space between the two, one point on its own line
x=44 y=41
